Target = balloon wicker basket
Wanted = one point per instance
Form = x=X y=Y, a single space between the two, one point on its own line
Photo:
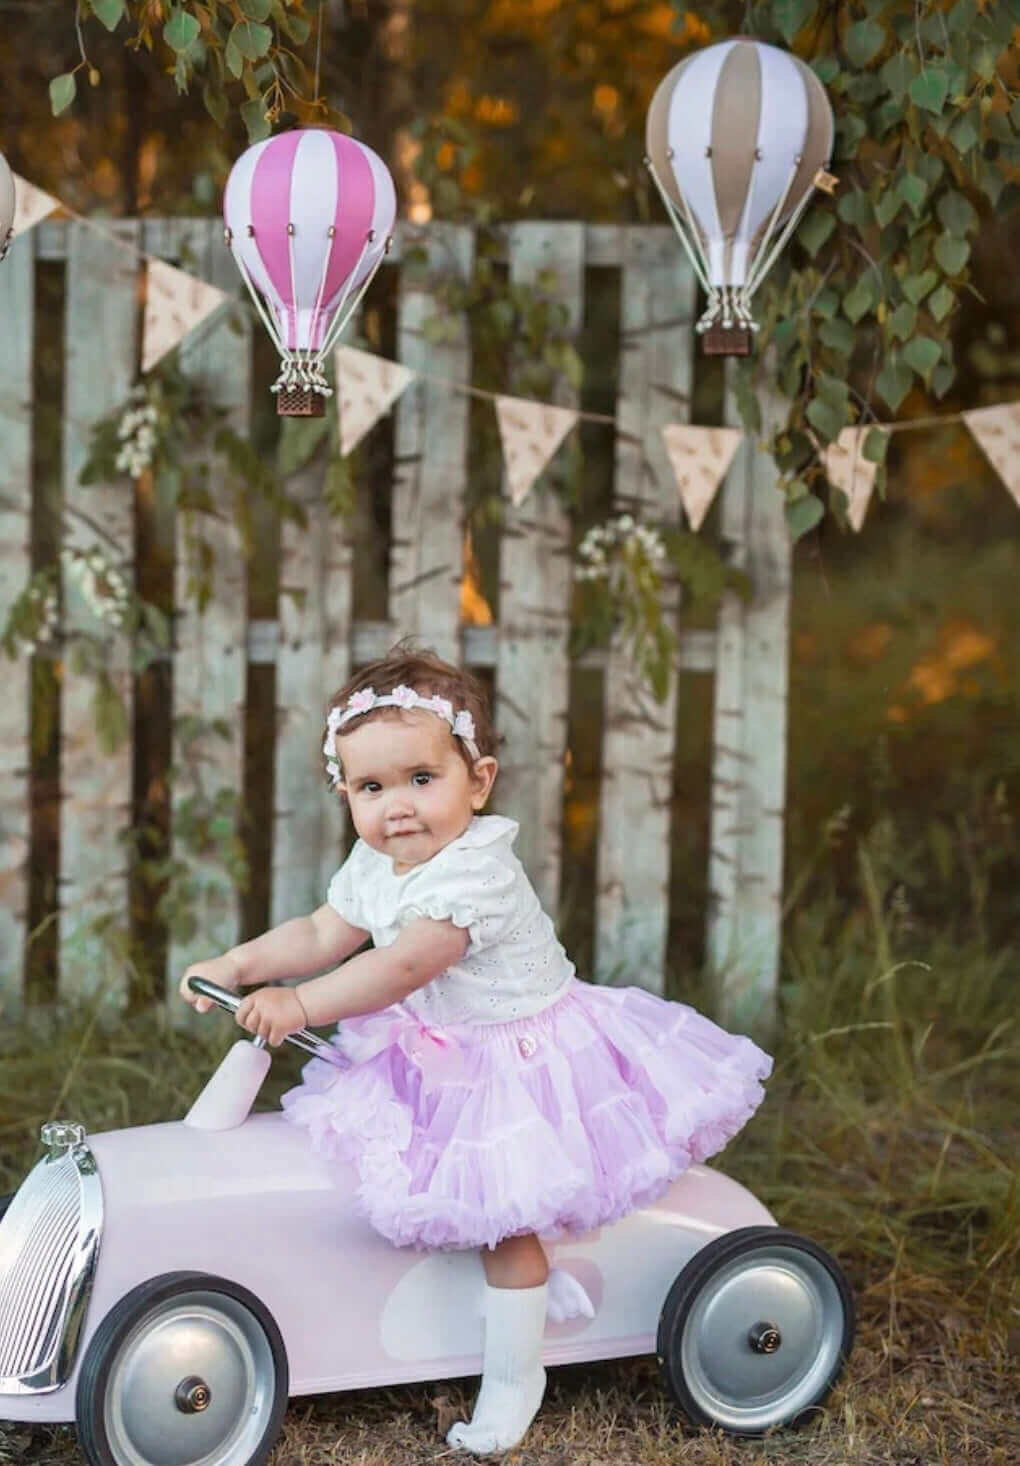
x=726 y=341
x=299 y=401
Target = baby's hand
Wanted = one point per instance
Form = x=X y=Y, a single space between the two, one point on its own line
x=272 y=1013
x=223 y=971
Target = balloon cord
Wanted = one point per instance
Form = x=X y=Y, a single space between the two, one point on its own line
x=270 y=326
x=345 y=312
x=314 y=330
x=322 y=349
x=700 y=270
x=339 y=324
x=780 y=244
x=706 y=277
x=754 y=275
x=293 y=283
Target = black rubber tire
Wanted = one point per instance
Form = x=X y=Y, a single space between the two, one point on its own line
x=94 y=1377
x=684 y=1292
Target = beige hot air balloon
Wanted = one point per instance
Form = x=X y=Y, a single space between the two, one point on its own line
x=6 y=205
x=738 y=136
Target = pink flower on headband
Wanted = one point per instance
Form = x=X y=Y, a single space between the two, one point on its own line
x=333 y=721
x=464 y=725
x=333 y=770
x=360 y=702
x=404 y=697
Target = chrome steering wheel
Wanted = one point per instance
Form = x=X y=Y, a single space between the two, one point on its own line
x=311 y=1043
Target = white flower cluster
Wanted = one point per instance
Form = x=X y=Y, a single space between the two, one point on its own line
x=43 y=600
x=595 y=551
x=102 y=587
x=137 y=435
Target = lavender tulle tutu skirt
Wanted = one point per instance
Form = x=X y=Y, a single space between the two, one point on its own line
x=556 y=1124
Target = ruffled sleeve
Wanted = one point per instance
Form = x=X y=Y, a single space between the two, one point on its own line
x=346 y=888
x=473 y=888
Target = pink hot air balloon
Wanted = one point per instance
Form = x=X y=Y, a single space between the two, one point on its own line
x=309 y=217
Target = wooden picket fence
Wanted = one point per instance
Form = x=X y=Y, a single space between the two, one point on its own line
x=316 y=642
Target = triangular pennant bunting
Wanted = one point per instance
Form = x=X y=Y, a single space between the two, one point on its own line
x=31 y=205
x=700 y=458
x=530 y=433
x=175 y=303
x=367 y=387
x=997 y=432
x=851 y=473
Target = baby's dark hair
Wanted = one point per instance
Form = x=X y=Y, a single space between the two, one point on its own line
x=408 y=665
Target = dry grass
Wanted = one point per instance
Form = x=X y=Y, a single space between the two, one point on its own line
x=889 y=1136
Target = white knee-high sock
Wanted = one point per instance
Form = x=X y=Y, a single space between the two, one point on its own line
x=513 y=1380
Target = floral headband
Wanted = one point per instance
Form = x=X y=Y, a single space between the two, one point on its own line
x=462 y=723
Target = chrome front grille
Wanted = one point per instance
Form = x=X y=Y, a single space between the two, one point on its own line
x=49 y=1241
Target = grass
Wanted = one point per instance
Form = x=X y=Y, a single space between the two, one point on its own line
x=889 y=1135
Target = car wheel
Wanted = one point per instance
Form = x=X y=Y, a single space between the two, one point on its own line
x=755 y=1331
x=187 y=1368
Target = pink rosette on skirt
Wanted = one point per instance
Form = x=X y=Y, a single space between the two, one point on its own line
x=559 y=1123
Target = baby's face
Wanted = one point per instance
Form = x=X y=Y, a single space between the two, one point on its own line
x=409 y=790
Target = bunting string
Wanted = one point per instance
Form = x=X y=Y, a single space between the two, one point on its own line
x=176 y=302
x=531 y=431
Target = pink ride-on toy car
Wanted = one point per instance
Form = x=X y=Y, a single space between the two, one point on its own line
x=167 y=1288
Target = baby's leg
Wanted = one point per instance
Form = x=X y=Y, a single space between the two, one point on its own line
x=513 y=1380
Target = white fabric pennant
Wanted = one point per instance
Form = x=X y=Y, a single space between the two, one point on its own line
x=31 y=205
x=700 y=458
x=175 y=303
x=851 y=473
x=366 y=387
x=530 y=433
x=997 y=431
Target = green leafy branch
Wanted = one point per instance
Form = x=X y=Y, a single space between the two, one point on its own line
x=860 y=309
x=232 y=48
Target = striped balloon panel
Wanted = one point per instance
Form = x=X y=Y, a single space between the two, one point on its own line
x=312 y=180
x=725 y=130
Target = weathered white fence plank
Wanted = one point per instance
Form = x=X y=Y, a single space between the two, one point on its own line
x=430 y=475
x=17 y=307
x=533 y=670
x=209 y=659
x=657 y=308
x=312 y=660
x=100 y=336
x=749 y=741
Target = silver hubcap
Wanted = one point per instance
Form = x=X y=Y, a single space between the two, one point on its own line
x=744 y=1387
x=204 y=1337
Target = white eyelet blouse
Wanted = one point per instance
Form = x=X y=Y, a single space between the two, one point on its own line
x=514 y=965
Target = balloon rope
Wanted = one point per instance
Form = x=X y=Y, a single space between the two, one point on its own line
x=696 y=236
x=269 y=324
x=742 y=226
x=700 y=270
x=314 y=329
x=339 y=325
x=293 y=282
x=344 y=312
x=759 y=273
x=765 y=241
x=329 y=334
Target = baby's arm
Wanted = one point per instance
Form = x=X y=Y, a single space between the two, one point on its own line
x=293 y=949
x=368 y=982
